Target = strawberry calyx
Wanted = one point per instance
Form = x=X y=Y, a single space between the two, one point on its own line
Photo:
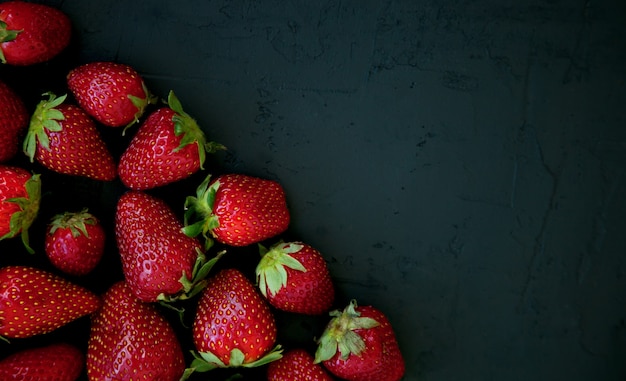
x=6 y=35
x=199 y=217
x=29 y=208
x=206 y=361
x=141 y=104
x=75 y=221
x=45 y=117
x=340 y=334
x=270 y=271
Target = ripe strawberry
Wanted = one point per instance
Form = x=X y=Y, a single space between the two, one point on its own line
x=52 y=362
x=131 y=340
x=233 y=325
x=20 y=194
x=296 y=365
x=168 y=146
x=294 y=278
x=64 y=139
x=35 y=301
x=112 y=93
x=32 y=33
x=13 y=122
x=359 y=344
x=74 y=242
x=237 y=210
x=159 y=261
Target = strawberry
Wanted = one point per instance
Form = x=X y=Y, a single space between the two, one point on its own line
x=74 y=242
x=296 y=365
x=35 y=301
x=132 y=340
x=237 y=210
x=13 y=122
x=52 y=362
x=20 y=195
x=233 y=325
x=359 y=344
x=294 y=278
x=64 y=139
x=168 y=146
x=32 y=33
x=112 y=93
x=159 y=261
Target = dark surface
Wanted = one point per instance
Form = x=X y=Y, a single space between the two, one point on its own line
x=461 y=165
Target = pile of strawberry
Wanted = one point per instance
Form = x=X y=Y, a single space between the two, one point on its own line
x=163 y=279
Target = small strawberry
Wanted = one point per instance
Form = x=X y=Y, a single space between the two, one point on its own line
x=74 y=242
x=132 y=340
x=294 y=277
x=20 y=195
x=159 y=261
x=296 y=365
x=237 y=210
x=13 y=122
x=233 y=325
x=168 y=146
x=34 y=301
x=64 y=139
x=52 y=362
x=359 y=344
x=112 y=93
x=32 y=33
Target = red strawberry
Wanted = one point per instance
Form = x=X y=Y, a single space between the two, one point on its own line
x=34 y=301
x=32 y=33
x=296 y=365
x=359 y=344
x=74 y=242
x=168 y=146
x=20 y=194
x=131 y=340
x=64 y=139
x=294 y=278
x=233 y=326
x=52 y=362
x=13 y=122
x=158 y=260
x=112 y=93
x=237 y=210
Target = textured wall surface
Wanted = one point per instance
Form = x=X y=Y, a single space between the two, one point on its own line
x=461 y=164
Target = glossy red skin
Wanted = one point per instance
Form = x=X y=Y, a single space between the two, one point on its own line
x=249 y=210
x=155 y=253
x=36 y=302
x=12 y=180
x=53 y=362
x=102 y=90
x=78 y=149
x=131 y=340
x=380 y=361
x=296 y=365
x=150 y=160
x=232 y=314
x=13 y=122
x=46 y=32
x=75 y=255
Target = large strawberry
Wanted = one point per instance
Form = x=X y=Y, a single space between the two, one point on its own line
x=64 y=139
x=159 y=261
x=168 y=146
x=52 y=362
x=34 y=301
x=294 y=277
x=74 y=242
x=132 y=340
x=296 y=365
x=237 y=210
x=359 y=344
x=113 y=93
x=20 y=195
x=233 y=325
x=13 y=122
x=32 y=33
